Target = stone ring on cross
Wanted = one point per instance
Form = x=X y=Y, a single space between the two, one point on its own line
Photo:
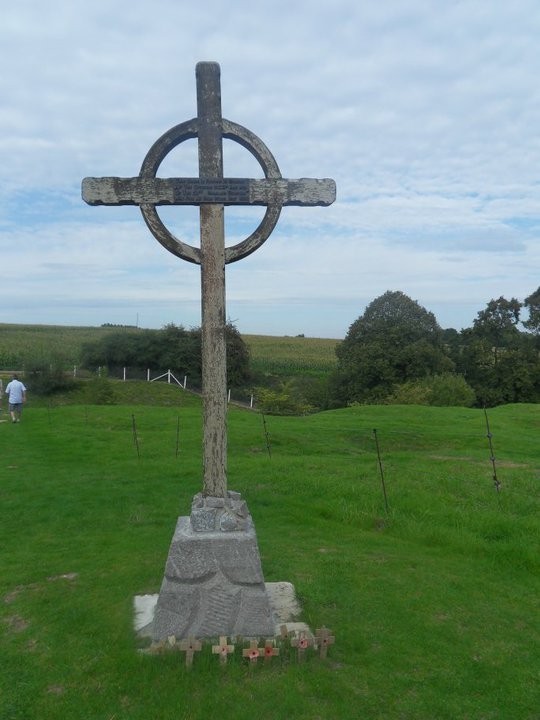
x=210 y=188
x=234 y=191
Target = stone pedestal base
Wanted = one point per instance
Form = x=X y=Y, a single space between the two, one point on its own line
x=285 y=610
x=213 y=584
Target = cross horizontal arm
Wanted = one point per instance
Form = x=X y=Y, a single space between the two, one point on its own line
x=196 y=191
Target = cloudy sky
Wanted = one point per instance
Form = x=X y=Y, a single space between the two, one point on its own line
x=426 y=113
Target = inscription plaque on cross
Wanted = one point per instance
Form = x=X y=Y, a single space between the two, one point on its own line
x=216 y=508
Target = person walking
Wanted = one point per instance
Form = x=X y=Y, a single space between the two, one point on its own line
x=16 y=393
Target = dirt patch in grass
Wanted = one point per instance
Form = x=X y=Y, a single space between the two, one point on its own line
x=11 y=596
x=16 y=623
x=460 y=458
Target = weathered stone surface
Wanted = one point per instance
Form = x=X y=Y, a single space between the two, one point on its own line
x=225 y=514
x=198 y=191
x=213 y=585
x=283 y=602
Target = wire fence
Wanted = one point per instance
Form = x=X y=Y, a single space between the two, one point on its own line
x=237 y=396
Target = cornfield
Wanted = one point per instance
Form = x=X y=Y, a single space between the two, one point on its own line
x=269 y=355
x=21 y=343
x=290 y=355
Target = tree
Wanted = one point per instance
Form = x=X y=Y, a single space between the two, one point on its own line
x=396 y=313
x=394 y=341
x=499 y=362
x=44 y=373
x=498 y=323
x=532 y=303
x=171 y=348
x=238 y=370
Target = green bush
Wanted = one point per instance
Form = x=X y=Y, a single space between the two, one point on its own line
x=46 y=375
x=173 y=347
x=446 y=389
x=281 y=401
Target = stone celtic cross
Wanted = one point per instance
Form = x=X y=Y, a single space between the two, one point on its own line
x=211 y=191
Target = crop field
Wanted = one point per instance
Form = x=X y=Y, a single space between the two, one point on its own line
x=433 y=600
x=273 y=355
x=289 y=355
x=21 y=342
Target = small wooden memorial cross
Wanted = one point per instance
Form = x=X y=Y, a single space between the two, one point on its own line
x=253 y=652
x=190 y=646
x=301 y=642
x=211 y=192
x=222 y=649
x=269 y=650
x=324 y=639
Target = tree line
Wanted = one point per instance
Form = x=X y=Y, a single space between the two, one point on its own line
x=171 y=348
x=396 y=352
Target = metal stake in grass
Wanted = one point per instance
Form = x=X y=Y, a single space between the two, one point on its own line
x=267 y=436
x=177 y=435
x=135 y=438
x=381 y=469
x=492 y=458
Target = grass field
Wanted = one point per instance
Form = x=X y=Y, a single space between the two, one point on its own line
x=434 y=605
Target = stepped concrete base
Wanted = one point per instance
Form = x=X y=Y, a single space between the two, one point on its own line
x=213 y=583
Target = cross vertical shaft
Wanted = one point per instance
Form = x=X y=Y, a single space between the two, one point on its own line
x=212 y=234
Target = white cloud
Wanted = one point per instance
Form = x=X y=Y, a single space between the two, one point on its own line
x=425 y=113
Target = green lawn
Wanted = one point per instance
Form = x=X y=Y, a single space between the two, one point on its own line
x=434 y=605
